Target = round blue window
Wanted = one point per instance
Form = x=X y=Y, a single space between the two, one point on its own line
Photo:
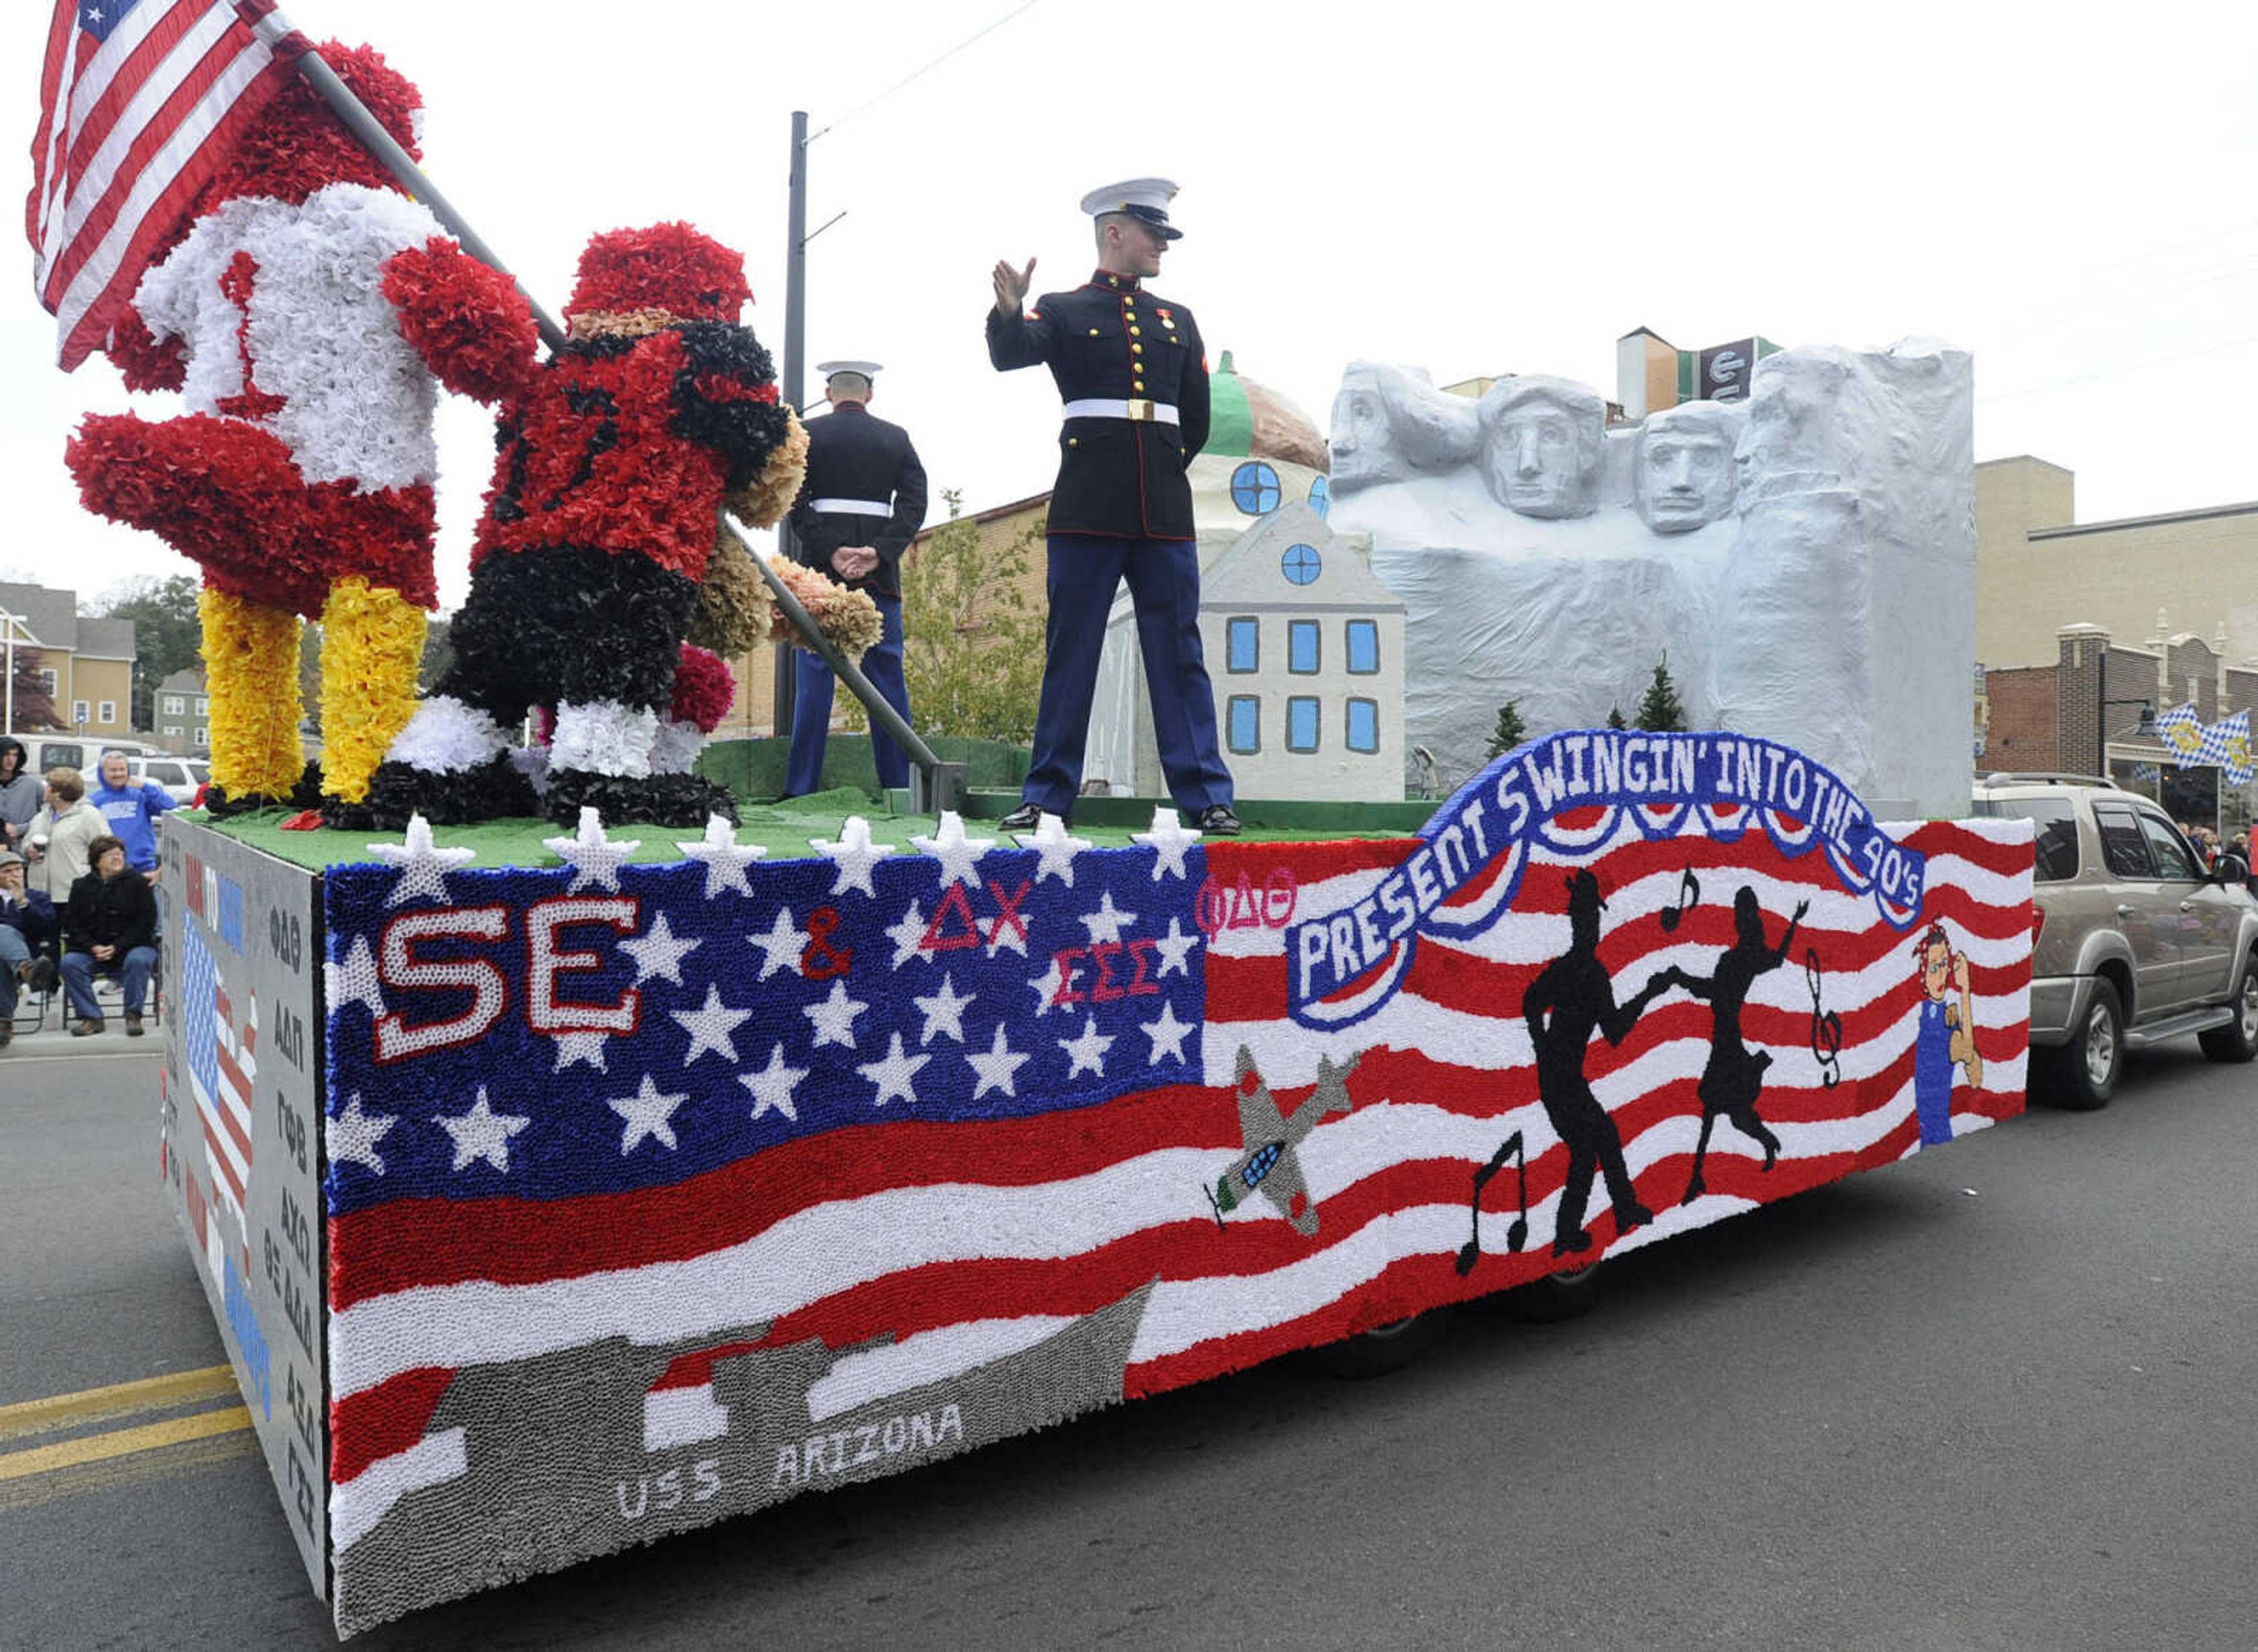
x=1254 y=488
x=1302 y=564
x=1321 y=498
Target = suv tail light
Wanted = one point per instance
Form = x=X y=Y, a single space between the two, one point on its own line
x=2038 y=925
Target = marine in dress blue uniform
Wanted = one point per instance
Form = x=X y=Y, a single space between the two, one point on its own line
x=1132 y=373
x=864 y=501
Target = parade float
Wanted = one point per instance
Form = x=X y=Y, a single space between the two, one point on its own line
x=557 y=1191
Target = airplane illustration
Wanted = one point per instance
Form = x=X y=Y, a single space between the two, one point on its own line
x=1269 y=1165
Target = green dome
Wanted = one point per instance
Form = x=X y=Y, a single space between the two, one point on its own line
x=1231 y=427
x=1247 y=419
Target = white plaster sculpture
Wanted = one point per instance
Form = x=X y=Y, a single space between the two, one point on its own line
x=1543 y=445
x=1683 y=472
x=1816 y=590
x=1391 y=424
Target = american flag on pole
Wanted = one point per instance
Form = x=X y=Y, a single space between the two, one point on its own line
x=139 y=100
x=913 y=1127
x=222 y=1062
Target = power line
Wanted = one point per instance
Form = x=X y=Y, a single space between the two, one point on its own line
x=936 y=63
x=2113 y=373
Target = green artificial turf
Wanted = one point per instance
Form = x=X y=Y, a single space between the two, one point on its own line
x=783 y=829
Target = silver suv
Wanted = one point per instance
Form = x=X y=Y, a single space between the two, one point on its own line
x=2136 y=941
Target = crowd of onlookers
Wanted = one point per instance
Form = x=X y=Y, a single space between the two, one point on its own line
x=78 y=895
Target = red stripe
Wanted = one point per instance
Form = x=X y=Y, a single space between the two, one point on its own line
x=63 y=26
x=221 y=1163
x=383 y=1420
x=234 y=1102
x=130 y=77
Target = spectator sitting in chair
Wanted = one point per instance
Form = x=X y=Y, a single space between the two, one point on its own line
x=132 y=808
x=57 y=841
x=27 y=923
x=111 y=928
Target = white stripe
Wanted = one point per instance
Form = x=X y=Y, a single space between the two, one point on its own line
x=357 y=1505
x=932 y=1356
x=110 y=56
x=58 y=140
x=682 y=1416
x=851 y=506
x=94 y=277
x=1101 y=408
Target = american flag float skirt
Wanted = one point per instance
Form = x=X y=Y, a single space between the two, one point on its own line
x=614 y=1199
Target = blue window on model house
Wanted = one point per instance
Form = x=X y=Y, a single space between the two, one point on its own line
x=1363 y=648
x=1364 y=725
x=1302 y=724
x=1302 y=647
x=1245 y=717
x=1243 y=645
x=1321 y=498
x=1300 y=565
x=1254 y=488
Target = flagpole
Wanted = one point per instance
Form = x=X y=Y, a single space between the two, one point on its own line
x=381 y=143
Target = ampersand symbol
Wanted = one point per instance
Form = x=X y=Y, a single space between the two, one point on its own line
x=822 y=962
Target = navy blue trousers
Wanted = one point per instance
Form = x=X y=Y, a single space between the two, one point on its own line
x=810 y=716
x=1084 y=571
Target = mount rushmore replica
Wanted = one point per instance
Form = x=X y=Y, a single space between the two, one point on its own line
x=1804 y=559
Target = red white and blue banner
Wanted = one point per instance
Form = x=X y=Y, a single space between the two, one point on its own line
x=662 y=1192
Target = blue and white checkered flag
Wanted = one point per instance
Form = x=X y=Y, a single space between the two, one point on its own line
x=2181 y=729
x=2226 y=745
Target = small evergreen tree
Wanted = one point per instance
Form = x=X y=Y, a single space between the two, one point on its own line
x=1616 y=719
x=1660 y=711
x=1510 y=730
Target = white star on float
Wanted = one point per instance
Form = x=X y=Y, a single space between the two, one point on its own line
x=574 y=1047
x=908 y=935
x=772 y=1085
x=854 y=855
x=998 y=1068
x=482 y=1133
x=783 y=947
x=424 y=866
x=1088 y=1049
x=657 y=954
x=646 y=1113
x=353 y=1136
x=834 y=1017
x=1107 y=922
x=1057 y=849
x=1001 y=934
x=711 y=1026
x=892 y=1074
x=1169 y=840
x=353 y=979
x=1046 y=987
x=955 y=852
x=595 y=859
x=944 y=1012
x=724 y=858
x=1168 y=1033
x=1172 y=946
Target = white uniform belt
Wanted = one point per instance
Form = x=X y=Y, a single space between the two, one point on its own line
x=851 y=506
x=1137 y=412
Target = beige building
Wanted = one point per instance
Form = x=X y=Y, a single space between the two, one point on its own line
x=87 y=663
x=182 y=721
x=2038 y=568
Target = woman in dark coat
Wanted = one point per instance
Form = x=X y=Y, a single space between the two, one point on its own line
x=110 y=927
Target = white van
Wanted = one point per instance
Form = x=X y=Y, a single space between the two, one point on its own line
x=79 y=752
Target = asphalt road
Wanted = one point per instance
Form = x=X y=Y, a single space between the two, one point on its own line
x=2004 y=1395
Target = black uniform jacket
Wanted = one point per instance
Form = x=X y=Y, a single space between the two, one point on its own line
x=853 y=455
x=1112 y=339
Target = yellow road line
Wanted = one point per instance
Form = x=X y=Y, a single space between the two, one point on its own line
x=148 y=1436
x=141 y=1468
x=65 y=1410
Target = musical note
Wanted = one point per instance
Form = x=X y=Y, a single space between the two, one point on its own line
x=1517 y=1235
x=1689 y=895
x=1826 y=1026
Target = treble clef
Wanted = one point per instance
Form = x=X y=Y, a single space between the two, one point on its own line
x=1826 y=1026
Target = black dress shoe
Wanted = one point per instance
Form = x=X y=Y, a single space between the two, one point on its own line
x=1026 y=818
x=1218 y=821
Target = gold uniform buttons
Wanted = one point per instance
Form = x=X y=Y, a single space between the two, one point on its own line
x=1073 y=440
x=1136 y=332
x=1136 y=350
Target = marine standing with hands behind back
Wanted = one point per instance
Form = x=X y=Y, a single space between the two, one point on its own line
x=862 y=503
x=1132 y=373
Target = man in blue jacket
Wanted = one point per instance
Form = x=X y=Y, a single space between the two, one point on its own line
x=1132 y=373
x=27 y=923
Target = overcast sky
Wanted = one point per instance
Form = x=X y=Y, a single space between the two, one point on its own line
x=1477 y=190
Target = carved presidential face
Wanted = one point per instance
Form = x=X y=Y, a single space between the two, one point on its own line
x=1391 y=425
x=1684 y=476
x=1543 y=446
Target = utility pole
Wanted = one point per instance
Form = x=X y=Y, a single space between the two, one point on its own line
x=795 y=329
